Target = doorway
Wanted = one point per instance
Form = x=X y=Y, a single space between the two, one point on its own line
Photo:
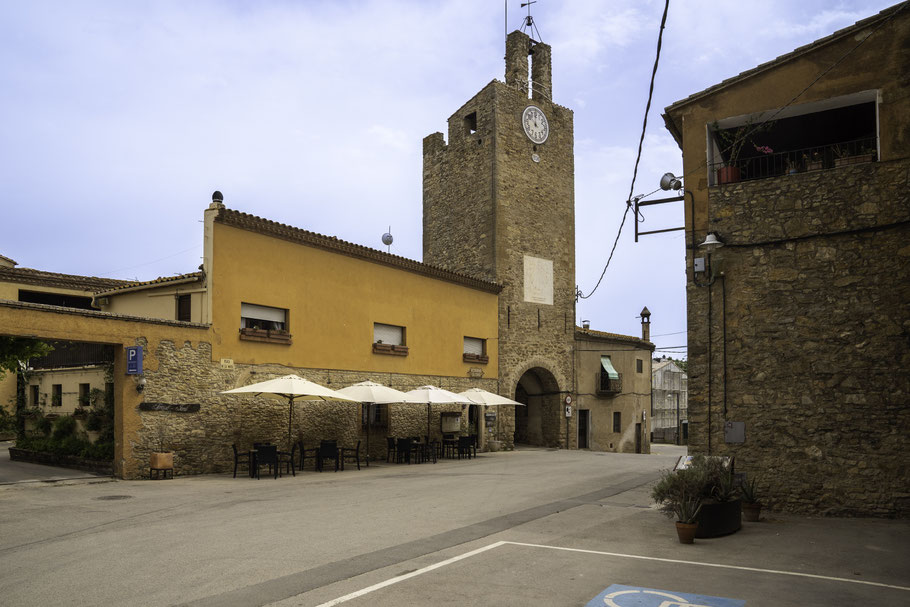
x=638 y=438
x=584 y=428
x=538 y=422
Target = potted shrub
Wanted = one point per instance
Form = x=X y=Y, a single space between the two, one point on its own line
x=751 y=505
x=162 y=458
x=721 y=510
x=678 y=495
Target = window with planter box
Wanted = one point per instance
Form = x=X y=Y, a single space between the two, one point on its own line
x=389 y=339
x=263 y=323
x=475 y=350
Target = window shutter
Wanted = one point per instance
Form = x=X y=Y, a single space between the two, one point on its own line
x=387 y=334
x=473 y=345
x=262 y=312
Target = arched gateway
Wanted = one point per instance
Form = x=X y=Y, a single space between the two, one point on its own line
x=537 y=423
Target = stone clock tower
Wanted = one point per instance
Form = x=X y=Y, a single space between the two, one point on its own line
x=499 y=203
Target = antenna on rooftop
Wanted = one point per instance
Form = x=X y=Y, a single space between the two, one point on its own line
x=387 y=239
x=528 y=26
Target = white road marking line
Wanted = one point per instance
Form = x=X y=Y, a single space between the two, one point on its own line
x=407 y=576
x=454 y=559
x=718 y=565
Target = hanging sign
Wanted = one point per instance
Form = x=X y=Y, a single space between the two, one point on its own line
x=134 y=360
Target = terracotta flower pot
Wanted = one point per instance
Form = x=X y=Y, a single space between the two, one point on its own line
x=686 y=532
x=728 y=174
x=751 y=511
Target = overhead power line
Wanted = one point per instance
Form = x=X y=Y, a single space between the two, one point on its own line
x=641 y=141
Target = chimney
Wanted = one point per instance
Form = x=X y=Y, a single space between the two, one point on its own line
x=646 y=324
x=586 y=324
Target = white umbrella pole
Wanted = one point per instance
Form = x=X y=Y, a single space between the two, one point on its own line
x=290 y=417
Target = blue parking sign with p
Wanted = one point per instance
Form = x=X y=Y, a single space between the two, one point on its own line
x=134 y=360
x=618 y=595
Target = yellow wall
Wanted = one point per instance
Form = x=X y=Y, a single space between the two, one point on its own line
x=334 y=299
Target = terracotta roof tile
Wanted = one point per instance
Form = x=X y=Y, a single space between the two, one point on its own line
x=161 y=280
x=591 y=333
x=60 y=281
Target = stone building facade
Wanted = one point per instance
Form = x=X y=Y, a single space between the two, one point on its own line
x=498 y=202
x=669 y=402
x=799 y=323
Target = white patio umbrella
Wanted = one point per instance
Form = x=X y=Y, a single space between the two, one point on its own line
x=431 y=395
x=370 y=393
x=291 y=387
x=483 y=397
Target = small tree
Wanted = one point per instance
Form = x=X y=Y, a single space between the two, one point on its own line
x=16 y=351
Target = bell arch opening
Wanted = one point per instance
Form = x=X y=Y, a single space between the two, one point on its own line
x=537 y=423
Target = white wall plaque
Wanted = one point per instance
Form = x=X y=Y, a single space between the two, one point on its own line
x=538 y=280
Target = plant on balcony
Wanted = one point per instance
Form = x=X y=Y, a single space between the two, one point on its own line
x=732 y=142
x=850 y=153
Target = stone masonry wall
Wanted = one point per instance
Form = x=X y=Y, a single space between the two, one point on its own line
x=488 y=203
x=812 y=314
x=202 y=441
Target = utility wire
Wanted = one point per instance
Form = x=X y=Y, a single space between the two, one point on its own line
x=641 y=141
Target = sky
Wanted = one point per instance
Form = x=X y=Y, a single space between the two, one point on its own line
x=122 y=118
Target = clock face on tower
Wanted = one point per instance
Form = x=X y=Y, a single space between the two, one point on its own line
x=535 y=124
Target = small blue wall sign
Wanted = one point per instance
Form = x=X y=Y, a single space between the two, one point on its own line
x=134 y=360
x=618 y=595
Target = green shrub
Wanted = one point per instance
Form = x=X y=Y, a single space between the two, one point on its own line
x=64 y=427
x=43 y=425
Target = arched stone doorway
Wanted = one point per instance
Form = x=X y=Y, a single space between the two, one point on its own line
x=537 y=423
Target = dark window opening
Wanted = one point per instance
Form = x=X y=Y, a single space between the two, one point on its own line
x=639 y=365
x=374 y=415
x=33 y=396
x=617 y=421
x=809 y=142
x=56 y=395
x=184 y=308
x=470 y=123
x=84 y=390
x=56 y=299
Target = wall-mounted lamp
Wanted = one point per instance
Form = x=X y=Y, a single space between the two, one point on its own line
x=670 y=182
x=140 y=385
x=711 y=242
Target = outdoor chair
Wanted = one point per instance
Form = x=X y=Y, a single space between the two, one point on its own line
x=305 y=454
x=391 y=449
x=328 y=449
x=464 y=447
x=267 y=455
x=350 y=454
x=473 y=445
x=287 y=459
x=449 y=445
x=240 y=459
x=403 y=450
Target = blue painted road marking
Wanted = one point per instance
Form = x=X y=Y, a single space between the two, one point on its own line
x=618 y=595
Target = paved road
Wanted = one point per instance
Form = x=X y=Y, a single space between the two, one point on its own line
x=23 y=472
x=533 y=527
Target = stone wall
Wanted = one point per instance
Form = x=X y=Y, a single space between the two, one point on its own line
x=491 y=196
x=201 y=441
x=810 y=338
